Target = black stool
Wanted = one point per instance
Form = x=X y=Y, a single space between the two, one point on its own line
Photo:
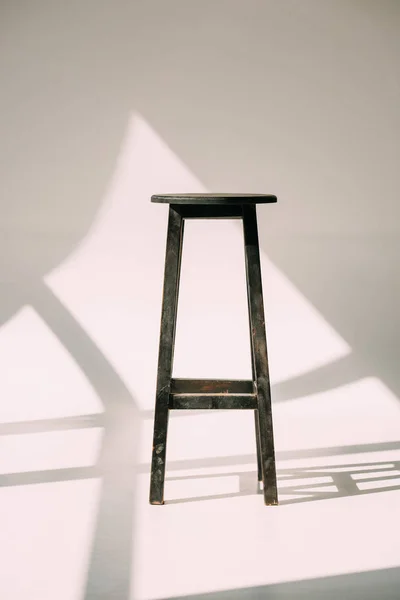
x=208 y=394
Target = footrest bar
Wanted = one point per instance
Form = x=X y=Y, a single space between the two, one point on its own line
x=212 y=401
x=211 y=386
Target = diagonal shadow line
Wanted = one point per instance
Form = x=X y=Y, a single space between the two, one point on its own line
x=343 y=371
x=301 y=475
x=90 y=471
x=80 y=473
x=90 y=359
x=113 y=533
x=222 y=496
x=121 y=422
x=317 y=470
x=340 y=372
x=245 y=459
x=50 y=476
x=316 y=496
x=369 y=585
x=340 y=476
x=308 y=496
x=58 y=424
x=85 y=421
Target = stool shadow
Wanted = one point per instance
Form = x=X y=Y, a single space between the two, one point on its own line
x=116 y=464
x=368 y=585
x=309 y=484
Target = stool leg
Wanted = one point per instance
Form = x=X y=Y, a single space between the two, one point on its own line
x=256 y=421
x=258 y=444
x=259 y=346
x=166 y=353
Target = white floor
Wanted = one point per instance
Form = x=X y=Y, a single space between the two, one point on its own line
x=66 y=535
x=78 y=362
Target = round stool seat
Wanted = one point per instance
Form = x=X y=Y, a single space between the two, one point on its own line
x=214 y=198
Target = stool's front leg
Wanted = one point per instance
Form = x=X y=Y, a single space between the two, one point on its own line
x=166 y=353
x=260 y=357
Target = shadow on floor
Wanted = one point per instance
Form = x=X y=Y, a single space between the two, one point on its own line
x=117 y=459
x=308 y=484
x=370 y=585
x=117 y=462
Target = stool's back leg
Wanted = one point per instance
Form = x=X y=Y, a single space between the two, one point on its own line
x=259 y=347
x=166 y=353
x=256 y=421
x=258 y=445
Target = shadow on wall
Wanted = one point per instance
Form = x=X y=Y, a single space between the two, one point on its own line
x=117 y=460
x=61 y=133
x=300 y=99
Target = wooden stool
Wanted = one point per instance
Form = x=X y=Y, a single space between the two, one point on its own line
x=208 y=394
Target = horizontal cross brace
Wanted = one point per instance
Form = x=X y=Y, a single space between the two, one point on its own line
x=212 y=401
x=211 y=386
x=208 y=211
